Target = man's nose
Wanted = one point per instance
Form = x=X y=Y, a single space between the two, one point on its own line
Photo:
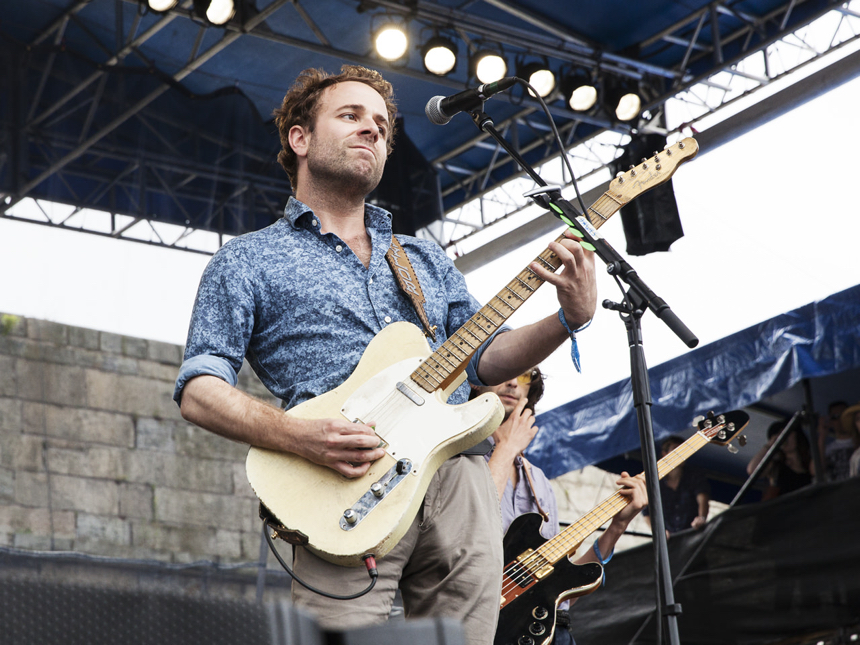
x=369 y=127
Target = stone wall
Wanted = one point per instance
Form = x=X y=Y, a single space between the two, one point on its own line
x=95 y=457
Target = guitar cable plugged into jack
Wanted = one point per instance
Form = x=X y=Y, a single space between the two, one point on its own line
x=369 y=562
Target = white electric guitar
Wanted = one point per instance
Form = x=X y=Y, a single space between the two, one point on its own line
x=402 y=388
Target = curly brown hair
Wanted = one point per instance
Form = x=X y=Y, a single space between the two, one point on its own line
x=301 y=105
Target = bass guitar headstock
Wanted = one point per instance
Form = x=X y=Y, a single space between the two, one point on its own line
x=652 y=172
x=723 y=428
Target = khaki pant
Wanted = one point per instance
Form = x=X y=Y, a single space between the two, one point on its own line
x=449 y=563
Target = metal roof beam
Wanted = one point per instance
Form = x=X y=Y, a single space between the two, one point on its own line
x=226 y=40
x=125 y=51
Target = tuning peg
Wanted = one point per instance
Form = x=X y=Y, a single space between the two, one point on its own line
x=732 y=448
x=742 y=440
x=721 y=419
x=631 y=167
x=643 y=160
x=698 y=420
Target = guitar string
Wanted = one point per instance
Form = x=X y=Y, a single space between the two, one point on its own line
x=550 y=552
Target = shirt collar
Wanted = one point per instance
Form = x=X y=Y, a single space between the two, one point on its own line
x=374 y=217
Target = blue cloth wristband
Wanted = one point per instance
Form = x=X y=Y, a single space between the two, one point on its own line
x=600 y=555
x=574 y=349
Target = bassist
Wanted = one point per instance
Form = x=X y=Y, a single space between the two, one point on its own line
x=523 y=487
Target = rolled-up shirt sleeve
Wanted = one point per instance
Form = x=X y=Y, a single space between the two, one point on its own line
x=221 y=322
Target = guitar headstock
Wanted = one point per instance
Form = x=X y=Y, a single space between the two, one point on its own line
x=652 y=172
x=722 y=428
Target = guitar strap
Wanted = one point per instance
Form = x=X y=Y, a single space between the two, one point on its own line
x=408 y=281
x=527 y=468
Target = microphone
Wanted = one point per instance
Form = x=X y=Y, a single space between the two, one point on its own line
x=440 y=109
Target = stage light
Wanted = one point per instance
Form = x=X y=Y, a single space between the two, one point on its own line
x=579 y=90
x=621 y=98
x=489 y=66
x=539 y=76
x=628 y=107
x=160 y=6
x=440 y=55
x=216 y=12
x=390 y=41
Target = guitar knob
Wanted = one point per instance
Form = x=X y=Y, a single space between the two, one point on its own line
x=525 y=640
x=350 y=516
x=540 y=613
x=732 y=448
x=537 y=629
x=377 y=489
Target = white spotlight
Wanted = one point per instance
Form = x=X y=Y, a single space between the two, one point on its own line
x=161 y=5
x=391 y=42
x=490 y=68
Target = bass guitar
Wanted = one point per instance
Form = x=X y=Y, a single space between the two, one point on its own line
x=402 y=388
x=538 y=574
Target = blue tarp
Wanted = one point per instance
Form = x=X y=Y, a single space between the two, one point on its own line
x=818 y=339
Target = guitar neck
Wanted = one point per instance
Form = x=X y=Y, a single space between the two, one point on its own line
x=571 y=537
x=442 y=367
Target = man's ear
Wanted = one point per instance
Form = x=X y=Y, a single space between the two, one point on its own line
x=299 y=140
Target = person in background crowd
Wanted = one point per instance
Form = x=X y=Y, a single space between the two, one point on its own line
x=790 y=468
x=685 y=494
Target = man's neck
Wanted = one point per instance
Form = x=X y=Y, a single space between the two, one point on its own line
x=338 y=213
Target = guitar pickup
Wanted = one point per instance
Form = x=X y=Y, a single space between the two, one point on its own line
x=409 y=393
x=529 y=558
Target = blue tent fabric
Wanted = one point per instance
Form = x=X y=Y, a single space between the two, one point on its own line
x=818 y=339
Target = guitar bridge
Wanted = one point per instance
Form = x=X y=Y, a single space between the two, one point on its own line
x=378 y=491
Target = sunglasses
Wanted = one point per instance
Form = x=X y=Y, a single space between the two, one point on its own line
x=527 y=377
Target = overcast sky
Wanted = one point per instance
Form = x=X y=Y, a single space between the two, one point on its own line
x=771 y=223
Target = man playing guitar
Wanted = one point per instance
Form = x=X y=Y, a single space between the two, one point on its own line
x=303 y=297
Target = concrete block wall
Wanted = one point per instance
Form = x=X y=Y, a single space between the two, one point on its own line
x=95 y=457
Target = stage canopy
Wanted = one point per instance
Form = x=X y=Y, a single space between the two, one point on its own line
x=766 y=362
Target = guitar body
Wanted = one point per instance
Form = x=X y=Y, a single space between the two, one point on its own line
x=420 y=429
x=529 y=603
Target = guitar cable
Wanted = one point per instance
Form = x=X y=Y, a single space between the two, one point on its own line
x=369 y=562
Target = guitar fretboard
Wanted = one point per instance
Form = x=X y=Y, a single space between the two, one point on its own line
x=571 y=537
x=442 y=367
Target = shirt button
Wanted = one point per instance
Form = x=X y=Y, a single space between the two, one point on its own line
x=338 y=248
x=370 y=281
x=314 y=222
x=388 y=319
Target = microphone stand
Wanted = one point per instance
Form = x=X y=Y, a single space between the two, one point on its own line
x=635 y=300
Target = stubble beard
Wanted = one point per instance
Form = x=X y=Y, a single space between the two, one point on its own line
x=329 y=164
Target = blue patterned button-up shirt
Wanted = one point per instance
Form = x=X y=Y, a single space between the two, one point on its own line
x=301 y=307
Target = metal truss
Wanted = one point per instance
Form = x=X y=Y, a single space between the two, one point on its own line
x=57 y=122
x=741 y=69
x=58 y=131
